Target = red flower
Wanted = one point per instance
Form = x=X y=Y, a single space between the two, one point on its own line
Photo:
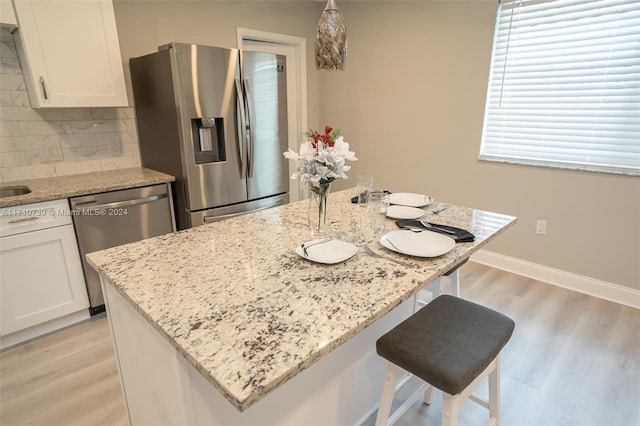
x=315 y=138
x=327 y=139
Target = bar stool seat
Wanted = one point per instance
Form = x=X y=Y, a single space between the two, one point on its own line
x=451 y=344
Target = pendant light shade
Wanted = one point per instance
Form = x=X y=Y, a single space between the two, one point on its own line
x=331 y=39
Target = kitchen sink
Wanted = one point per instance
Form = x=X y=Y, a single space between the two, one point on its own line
x=12 y=191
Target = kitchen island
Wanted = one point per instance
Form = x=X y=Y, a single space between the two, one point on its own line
x=226 y=324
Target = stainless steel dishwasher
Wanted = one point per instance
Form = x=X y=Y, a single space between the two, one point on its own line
x=114 y=218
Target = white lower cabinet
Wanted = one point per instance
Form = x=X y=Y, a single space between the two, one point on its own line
x=42 y=285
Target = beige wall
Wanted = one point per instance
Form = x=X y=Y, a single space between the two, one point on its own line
x=143 y=25
x=411 y=104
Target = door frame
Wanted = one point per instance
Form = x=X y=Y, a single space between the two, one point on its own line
x=295 y=50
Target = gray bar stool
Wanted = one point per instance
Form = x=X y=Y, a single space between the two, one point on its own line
x=452 y=344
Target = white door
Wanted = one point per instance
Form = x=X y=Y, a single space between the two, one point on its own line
x=294 y=48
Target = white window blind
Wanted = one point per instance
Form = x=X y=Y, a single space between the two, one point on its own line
x=564 y=88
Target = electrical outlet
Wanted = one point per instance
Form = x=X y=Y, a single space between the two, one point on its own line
x=541 y=227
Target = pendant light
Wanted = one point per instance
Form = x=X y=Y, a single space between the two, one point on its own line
x=331 y=39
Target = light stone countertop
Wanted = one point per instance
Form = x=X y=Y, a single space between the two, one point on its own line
x=248 y=313
x=56 y=188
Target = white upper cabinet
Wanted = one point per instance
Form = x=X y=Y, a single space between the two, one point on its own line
x=7 y=17
x=70 y=53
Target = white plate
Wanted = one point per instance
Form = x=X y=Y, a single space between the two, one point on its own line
x=421 y=244
x=332 y=251
x=404 y=212
x=410 y=200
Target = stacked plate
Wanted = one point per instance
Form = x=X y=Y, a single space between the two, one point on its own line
x=404 y=205
x=409 y=199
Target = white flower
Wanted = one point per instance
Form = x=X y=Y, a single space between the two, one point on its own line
x=320 y=162
x=342 y=149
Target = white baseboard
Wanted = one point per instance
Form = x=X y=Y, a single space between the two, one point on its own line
x=581 y=284
x=22 y=336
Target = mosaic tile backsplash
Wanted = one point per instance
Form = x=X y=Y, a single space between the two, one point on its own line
x=40 y=143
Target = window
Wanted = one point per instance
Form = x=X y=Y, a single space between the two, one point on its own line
x=564 y=88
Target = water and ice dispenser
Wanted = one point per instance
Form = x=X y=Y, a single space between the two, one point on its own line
x=208 y=139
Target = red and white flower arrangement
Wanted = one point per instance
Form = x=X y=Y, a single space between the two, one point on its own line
x=322 y=158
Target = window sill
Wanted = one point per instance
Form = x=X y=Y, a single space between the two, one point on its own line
x=568 y=167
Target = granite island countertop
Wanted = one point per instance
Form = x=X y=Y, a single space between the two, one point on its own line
x=55 y=188
x=248 y=313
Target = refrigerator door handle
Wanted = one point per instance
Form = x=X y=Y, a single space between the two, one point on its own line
x=242 y=128
x=250 y=128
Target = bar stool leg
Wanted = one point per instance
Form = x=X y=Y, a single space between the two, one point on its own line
x=494 y=394
x=428 y=395
x=450 y=408
x=393 y=374
x=455 y=283
x=436 y=288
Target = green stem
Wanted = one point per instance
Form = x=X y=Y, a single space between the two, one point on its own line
x=321 y=193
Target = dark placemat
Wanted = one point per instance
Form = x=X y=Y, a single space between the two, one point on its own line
x=460 y=235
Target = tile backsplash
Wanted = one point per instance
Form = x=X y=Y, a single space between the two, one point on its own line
x=40 y=143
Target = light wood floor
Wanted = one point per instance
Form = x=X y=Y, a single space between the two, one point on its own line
x=65 y=378
x=573 y=360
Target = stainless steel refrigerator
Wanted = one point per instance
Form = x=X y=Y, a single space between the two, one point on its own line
x=216 y=119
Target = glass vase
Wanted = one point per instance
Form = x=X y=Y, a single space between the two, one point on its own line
x=320 y=209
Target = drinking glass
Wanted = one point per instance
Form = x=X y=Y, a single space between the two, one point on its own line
x=364 y=186
x=377 y=205
x=351 y=225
